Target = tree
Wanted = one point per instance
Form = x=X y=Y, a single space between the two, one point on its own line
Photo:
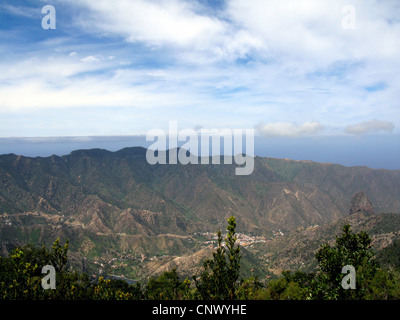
x=233 y=258
x=166 y=287
x=283 y=289
x=251 y=289
x=352 y=249
x=219 y=278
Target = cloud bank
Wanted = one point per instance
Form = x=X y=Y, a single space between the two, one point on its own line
x=371 y=126
x=289 y=129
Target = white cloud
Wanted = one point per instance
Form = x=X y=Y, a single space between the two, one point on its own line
x=175 y=25
x=91 y=59
x=311 y=30
x=307 y=30
x=179 y=59
x=155 y=22
x=35 y=95
x=289 y=129
x=54 y=68
x=370 y=126
x=21 y=11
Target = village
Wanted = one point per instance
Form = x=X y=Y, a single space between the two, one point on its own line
x=116 y=267
x=242 y=239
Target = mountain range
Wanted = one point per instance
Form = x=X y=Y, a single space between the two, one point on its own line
x=120 y=212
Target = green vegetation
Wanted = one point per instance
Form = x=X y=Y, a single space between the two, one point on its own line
x=390 y=256
x=286 y=170
x=220 y=275
x=372 y=282
x=21 y=276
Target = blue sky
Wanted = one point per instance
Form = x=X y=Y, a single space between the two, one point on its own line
x=291 y=69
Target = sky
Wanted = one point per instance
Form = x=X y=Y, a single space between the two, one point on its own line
x=317 y=80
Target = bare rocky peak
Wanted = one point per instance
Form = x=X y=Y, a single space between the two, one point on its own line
x=360 y=202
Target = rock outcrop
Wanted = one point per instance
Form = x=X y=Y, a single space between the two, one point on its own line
x=360 y=202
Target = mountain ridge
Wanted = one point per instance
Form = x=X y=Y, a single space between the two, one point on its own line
x=114 y=202
x=285 y=181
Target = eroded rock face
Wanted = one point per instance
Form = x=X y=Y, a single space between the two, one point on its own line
x=360 y=202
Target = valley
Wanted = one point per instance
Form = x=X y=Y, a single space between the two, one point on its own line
x=128 y=218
